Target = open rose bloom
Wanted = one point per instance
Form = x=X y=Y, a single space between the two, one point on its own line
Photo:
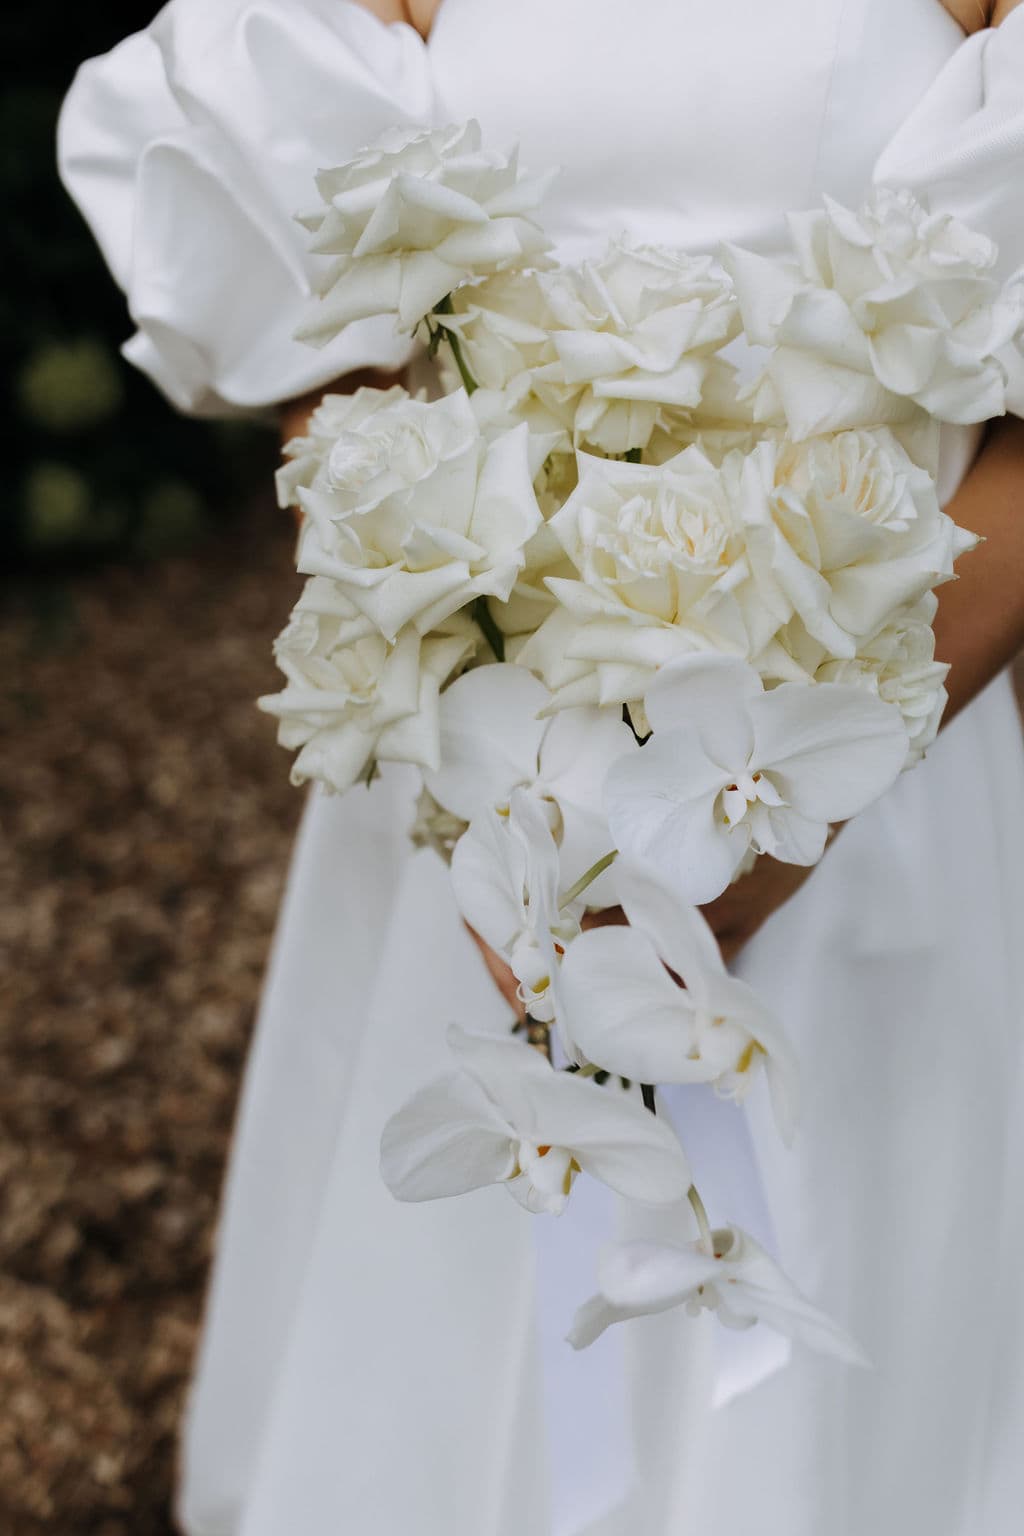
x=639 y=624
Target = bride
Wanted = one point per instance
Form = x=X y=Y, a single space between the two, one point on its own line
x=398 y=1370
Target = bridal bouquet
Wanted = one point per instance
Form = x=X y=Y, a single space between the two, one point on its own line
x=646 y=592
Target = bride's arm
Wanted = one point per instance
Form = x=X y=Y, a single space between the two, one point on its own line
x=979 y=629
x=973 y=15
x=980 y=623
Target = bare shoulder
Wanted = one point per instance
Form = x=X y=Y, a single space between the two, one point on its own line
x=387 y=10
x=422 y=13
x=418 y=13
x=973 y=15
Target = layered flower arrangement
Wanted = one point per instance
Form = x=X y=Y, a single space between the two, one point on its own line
x=646 y=593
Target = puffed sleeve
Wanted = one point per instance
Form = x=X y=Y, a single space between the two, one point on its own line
x=189 y=149
x=962 y=151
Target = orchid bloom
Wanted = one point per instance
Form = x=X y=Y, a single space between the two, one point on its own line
x=732 y=767
x=626 y=1013
x=506 y=874
x=492 y=743
x=730 y=1275
x=505 y=1116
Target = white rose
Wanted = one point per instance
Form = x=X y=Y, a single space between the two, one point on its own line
x=335 y=415
x=412 y=217
x=662 y=570
x=504 y=324
x=351 y=697
x=899 y=665
x=633 y=333
x=416 y=513
x=883 y=311
x=531 y=600
x=851 y=533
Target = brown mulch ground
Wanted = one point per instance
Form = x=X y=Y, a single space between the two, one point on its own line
x=146 y=819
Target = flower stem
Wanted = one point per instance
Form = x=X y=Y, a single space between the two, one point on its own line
x=589 y=878
x=484 y=620
x=633 y=455
x=699 y=1210
x=452 y=338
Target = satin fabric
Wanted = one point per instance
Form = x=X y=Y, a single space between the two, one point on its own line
x=398 y=1371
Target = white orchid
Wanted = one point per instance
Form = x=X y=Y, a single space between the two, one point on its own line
x=731 y=1276
x=622 y=1002
x=412 y=217
x=352 y=697
x=505 y=1116
x=416 y=513
x=731 y=767
x=884 y=313
x=494 y=742
x=507 y=878
x=632 y=332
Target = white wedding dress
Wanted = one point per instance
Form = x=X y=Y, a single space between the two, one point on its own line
x=374 y=1369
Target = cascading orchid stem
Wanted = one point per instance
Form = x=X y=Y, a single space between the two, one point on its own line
x=588 y=878
x=700 y=1211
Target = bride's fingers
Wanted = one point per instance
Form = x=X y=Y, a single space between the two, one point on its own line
x=608 y=917
x=500 y=972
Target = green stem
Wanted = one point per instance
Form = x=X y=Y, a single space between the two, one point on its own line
x=589 y=878
x=700 y=1211
x=452 y=338
x=633 y=455
x=484 y=619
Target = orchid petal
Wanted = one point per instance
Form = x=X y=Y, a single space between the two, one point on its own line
x=624 y=1011
x=490 y=738
x=488 y=873
x=446 y=1140
x=651 y=1277
x=661 y=810
x=832 y=749
x=680 y=933
x=610 y=1133
x=710 y=692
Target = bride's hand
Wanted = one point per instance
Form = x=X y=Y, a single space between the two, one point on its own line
x=501 y=974
x=736 y=915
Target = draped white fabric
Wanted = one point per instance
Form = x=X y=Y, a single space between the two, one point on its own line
x=397 y=1370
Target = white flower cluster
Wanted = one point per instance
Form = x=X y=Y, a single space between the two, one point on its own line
x=638 y=626
x=881 y=314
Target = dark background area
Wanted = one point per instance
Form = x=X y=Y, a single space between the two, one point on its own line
x=97 y=464
x=145 y=820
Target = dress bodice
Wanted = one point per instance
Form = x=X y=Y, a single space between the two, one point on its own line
x=690 y=121
x=192 y=145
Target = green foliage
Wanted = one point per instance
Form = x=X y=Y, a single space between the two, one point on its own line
x=98 y=463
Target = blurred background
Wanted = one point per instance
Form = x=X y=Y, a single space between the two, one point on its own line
x=145 y=820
